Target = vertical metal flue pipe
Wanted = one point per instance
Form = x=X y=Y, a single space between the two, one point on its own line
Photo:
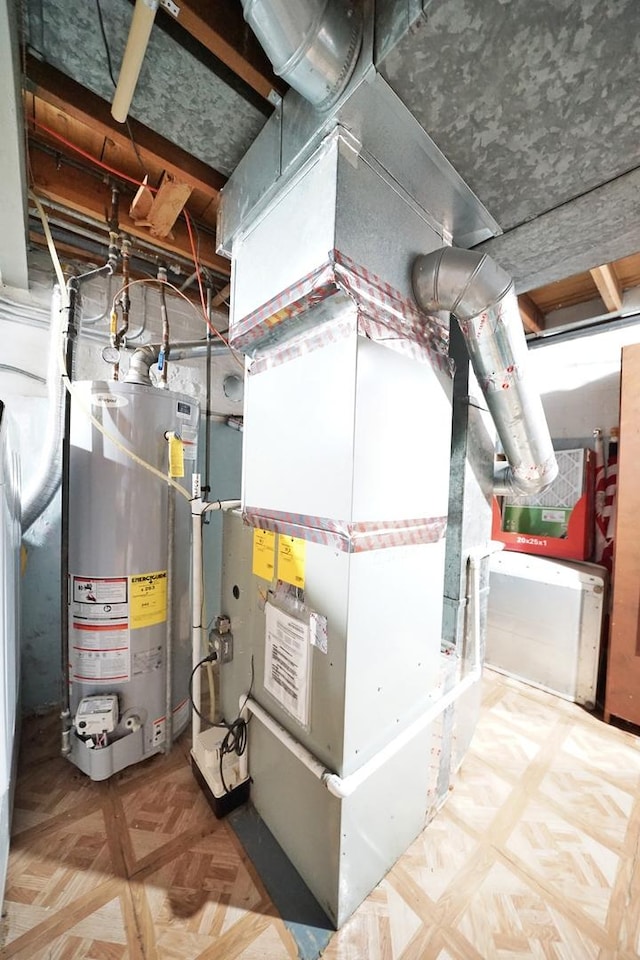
x=312 y=44
x=481 y=296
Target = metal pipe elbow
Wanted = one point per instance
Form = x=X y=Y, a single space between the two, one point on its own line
x=481 y=296
x=140 y=365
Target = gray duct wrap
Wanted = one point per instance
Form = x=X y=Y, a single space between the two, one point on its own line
x=312 y=44
x=37 y=496
x=481 y=296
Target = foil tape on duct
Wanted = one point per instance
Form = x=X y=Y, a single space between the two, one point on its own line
x=383 y=315
x=349 y=537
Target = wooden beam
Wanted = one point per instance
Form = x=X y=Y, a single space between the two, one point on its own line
x=80 y=191
x=221 y=295
x=532 y=317
x=80 y=104
x=608 y=286
x=221 y=28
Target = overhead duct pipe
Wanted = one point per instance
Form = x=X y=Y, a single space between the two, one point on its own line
x=481 y=296
x=144 y=357
x=312 y=44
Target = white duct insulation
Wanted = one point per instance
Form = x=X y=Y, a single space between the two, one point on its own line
x=481 y=296
x=312 y=44
x=343 y=787
x=44 y=483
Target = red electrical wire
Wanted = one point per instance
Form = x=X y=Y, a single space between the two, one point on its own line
x=88 y=156
x=140 y=183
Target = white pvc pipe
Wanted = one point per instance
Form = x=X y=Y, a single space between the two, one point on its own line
x=196 y=615
x=198 y=508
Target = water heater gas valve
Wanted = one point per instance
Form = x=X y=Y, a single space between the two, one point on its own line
x=96 y=715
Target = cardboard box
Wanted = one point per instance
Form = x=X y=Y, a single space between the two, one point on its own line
x=557 y=523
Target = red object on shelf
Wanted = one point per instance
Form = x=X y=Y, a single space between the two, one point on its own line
x=578 y=543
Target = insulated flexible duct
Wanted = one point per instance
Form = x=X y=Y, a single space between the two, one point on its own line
x=45 y=481
x=481 y=296
x=312 y=44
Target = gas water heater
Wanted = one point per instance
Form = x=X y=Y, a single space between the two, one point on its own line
x=129 y=649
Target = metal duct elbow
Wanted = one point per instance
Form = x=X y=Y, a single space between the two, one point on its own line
x=44 y=485
x=140 y=365
x=312 y=44
x=481 y=296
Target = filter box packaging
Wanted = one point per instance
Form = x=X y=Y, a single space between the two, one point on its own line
x=557 y=522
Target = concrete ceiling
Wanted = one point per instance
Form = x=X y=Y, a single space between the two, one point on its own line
x=535 y=104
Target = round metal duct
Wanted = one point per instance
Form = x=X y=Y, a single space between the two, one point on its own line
x=312 y=44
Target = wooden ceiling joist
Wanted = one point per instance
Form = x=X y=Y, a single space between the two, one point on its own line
x=85 y=194
x=608 y=286
x=75 y=101
x=220 y=27
x=532 y=316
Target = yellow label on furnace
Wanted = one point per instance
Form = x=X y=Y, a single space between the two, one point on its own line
x=147 y=599
x=291 y=560
x=176 y=456
x=264 y=554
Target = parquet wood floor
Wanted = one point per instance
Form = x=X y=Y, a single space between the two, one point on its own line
x=535 y=854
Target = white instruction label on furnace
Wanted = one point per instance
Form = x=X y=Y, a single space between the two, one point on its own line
x=286 y=664
x=318 y=631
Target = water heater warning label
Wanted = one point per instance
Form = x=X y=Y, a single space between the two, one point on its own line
x=148 y=599
x=99 y=651
x=100 y=599
x=99 y=629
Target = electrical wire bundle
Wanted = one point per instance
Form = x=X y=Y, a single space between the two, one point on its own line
x=236 y=738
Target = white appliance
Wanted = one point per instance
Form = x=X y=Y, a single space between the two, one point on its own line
x=545 y=623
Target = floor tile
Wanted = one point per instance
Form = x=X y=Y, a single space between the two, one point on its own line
x=534 y=854
x=583 y=796
x=439 y=853
x=478 y=794
x=157 y=810
x=201 y=894
x=609 y=751
x=48 y=790
x=99 y=936
x=53 y=870
x=506 y=919
x=572 y=864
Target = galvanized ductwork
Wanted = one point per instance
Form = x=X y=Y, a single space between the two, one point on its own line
x=481 y=296
x=312 y=44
